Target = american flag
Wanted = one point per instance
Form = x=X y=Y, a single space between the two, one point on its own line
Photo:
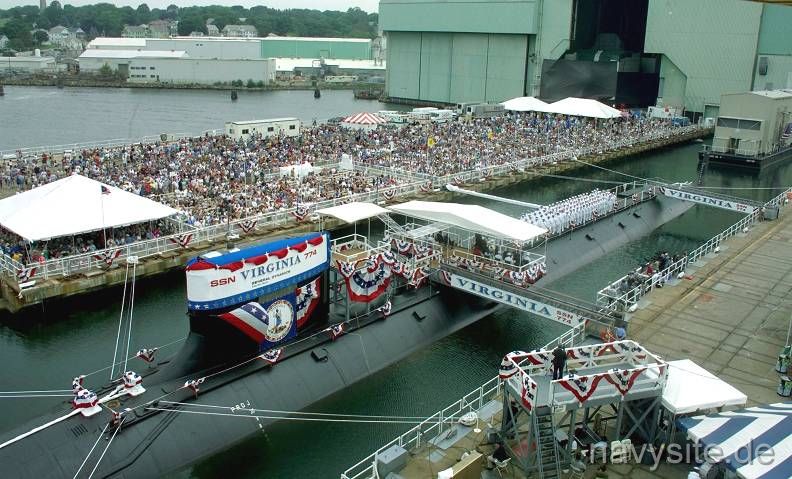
x=272 y=355
x=251 y=318
x=182 y=240
x=105 y=190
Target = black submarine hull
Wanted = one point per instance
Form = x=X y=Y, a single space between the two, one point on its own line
x=158 y=442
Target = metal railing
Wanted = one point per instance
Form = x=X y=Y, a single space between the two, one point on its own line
x=87 y=145
x=438 y=423
x=432 y=426
x=203 y=237
x=614 y=298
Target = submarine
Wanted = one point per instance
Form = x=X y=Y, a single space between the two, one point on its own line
x=152 y=422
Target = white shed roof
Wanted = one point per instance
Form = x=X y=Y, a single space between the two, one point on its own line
x=583 y=107
x=75 y=205
x=352 y=212
x=116 y=42
x=691 y=388
x=472 y=218
x=128 y=54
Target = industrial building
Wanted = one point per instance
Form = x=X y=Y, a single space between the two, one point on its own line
x=753 y=123
x=675 y=53
x=207 y=60
x=27 y=64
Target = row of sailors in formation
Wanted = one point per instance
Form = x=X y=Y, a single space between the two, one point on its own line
x=573 y=211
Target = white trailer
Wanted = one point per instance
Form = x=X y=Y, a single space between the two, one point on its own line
x=265 y=128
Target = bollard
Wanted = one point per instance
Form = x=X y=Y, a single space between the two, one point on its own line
x=784 y=387
x=782 y=365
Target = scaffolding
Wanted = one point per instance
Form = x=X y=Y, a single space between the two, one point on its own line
x=544 y=419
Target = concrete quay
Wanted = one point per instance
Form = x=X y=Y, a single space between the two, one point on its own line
x=730 y=313
x=95 y=280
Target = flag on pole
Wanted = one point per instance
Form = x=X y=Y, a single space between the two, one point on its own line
x=105 y=190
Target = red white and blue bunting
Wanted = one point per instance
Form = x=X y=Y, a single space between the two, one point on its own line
x=131 y=379
x=367 y=283
x=301 y=212
x=193 y=384
x=108 y=256
x=426 y=187
x=248 y=225
x=83 y=398
x=146 y=354
x=26 y=274
x=306 y=302
x=182 y=240
x=272 y=356
x=386 y=309
x=336 y=331
x=508 y=366
x=528 y=393
x=389 y=194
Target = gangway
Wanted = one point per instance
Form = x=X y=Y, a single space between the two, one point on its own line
x=535 y=300
x=686 y=192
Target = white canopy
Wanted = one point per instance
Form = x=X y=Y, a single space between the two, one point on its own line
x=471 y=217
x=583 y=107
x=525 y=103
x=352 y=212
x=75 y=205
x=691 y=388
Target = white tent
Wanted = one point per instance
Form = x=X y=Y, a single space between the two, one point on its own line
x=472 y=218
x=583 y=107
x=691 y=388
x=525 y=103
x=75 y=205
x=353 y=212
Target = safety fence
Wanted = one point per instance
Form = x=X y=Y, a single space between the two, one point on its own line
x=203 y=237
x=626 y=291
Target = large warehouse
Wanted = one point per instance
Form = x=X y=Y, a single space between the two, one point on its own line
x=208 y=60
x=678 y=53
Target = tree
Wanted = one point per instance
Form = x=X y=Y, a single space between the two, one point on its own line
x=106 y=70
x=143 y=13
x=40 y=36
x=191 y=24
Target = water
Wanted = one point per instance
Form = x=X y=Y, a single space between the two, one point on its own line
x=92 y=114
x=45 y=347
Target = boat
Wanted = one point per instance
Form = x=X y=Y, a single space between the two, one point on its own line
x=234 y=95
x=156 y=422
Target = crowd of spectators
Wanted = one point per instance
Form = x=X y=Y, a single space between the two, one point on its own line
x=214 y=179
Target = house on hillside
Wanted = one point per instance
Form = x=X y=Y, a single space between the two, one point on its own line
x=240 y=31
x=136 y=31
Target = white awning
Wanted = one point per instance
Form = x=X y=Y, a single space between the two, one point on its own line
x=75 y=205
x=691 y=388
x=471 y=217
x=525 y=103
x=583 y=107
x=353 y=212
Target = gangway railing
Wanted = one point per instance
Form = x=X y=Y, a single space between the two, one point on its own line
x=626 y=291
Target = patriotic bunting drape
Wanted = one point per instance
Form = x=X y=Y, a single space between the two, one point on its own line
x=365 y=284
x=108 y=256
x=306 y=302
x=182 y=240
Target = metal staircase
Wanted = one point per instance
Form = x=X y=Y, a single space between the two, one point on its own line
x=391 y=224
x=546 y=444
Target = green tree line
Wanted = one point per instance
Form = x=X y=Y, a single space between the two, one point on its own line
x=105 y=19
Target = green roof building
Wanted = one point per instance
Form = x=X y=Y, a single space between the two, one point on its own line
x=678 y=53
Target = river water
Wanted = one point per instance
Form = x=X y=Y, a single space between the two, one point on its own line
x=45 y=347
